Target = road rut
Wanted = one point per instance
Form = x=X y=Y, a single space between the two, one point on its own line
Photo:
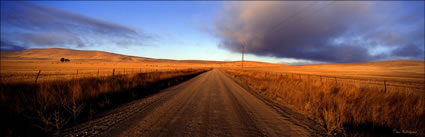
x=211 y=104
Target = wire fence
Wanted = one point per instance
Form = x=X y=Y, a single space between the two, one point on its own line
x=49 y=75
x=417 y=85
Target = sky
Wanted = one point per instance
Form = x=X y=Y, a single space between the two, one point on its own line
x=275 y=31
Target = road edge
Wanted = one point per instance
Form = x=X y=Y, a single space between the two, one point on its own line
x=102 y=122
x=300 y=120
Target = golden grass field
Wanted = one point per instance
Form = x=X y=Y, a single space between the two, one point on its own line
x=342 y=97
x=346 y=98
x=62 y=98
x=25 y=65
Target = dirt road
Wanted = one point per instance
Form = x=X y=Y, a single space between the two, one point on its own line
x=211 y=104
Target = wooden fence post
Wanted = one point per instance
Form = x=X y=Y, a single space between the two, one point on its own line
x=36 y=78
x=76 y=75
x=385 y=86
x=113 y=72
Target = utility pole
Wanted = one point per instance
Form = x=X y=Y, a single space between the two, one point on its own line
x=243 y=52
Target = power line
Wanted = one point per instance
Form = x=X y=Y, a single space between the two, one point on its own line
x=243 y=52
x=388 y=20
x=291 y=16
x=272 y=29
x=285 y=26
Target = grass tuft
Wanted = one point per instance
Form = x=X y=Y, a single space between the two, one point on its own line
x=45 y=108
x=344 y=108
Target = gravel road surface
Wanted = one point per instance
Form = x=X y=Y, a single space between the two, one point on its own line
x=211 y=104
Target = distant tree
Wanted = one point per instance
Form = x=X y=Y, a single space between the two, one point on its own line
x=62 y=59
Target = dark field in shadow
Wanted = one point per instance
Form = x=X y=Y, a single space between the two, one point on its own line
x=46 y=108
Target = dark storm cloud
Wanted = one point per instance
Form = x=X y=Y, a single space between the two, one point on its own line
x=8 y=46
x=52 y=39
x=32 y=25
x=411 y=51
x=326 y=31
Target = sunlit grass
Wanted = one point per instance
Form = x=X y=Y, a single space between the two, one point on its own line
x=341 y=106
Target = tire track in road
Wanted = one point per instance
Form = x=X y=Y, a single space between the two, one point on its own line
x=211 y=104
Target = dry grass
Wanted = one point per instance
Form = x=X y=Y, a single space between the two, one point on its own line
x=51 y=75
x=344 y=108
x=395 y=70
x=62 y=98
x=24 y=65
x=53 y=105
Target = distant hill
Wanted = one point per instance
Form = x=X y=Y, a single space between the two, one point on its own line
x=382 y=64
x=49 y=59
x=57 y=53
x=394 y=63
x=391 y=68
x=54 y=54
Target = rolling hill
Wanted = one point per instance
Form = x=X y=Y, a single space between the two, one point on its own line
x=57 y=53
x=49 y=55
x=54 y=54
x=32 y=60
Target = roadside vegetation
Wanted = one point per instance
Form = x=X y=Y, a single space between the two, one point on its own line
x=47 y=107
x=343 y=108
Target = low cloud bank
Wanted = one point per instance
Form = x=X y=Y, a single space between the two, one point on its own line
x=325 y=31
x=24 y=25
